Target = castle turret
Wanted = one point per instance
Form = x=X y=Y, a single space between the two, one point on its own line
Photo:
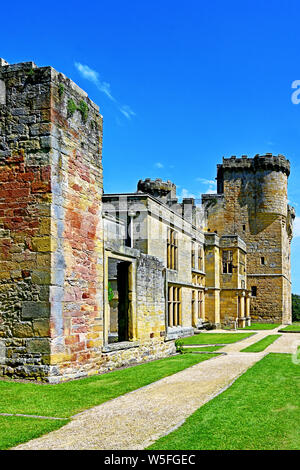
x=163 y=190
x=262 y=182
x=252 y=203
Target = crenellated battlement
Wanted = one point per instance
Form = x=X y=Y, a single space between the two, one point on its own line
x=259 y=162
x=157 y=188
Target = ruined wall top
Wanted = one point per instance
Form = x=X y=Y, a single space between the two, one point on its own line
x=157 y=188
x=31 y=70
x=259 y=162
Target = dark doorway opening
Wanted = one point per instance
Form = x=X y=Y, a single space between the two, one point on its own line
x=118 y=300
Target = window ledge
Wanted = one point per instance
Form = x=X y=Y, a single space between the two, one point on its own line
x=198 y=271
x=119 y=346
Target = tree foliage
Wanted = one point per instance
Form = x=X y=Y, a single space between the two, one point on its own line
x=296 y=307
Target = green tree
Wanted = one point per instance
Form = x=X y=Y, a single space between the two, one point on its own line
x=296 y=307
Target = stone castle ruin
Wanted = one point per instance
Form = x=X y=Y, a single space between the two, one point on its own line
x=89 y=281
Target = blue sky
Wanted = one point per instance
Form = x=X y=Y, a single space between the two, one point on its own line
x=180 y=84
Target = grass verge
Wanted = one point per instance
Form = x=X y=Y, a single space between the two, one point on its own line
x=16 y=429
x=203 y=349
x=259 y=411
x=216 y=338
x=262 y=344
x=66 y=399
x=295 y=327
x=261 y=326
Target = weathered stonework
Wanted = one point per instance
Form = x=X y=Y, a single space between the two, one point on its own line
x=50 y=215
x=252 y=203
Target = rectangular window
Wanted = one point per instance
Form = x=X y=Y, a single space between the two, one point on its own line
x=262 y=260
x=227 y=262
x=200 y=258
x=174 y=306
x=172 y=247
x=193 y=303
x=193 y=256
x=254 y=291
x=244 y=228
x=200 y=304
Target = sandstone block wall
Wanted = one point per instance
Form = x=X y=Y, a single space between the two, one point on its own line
x=150 y=286
x=50 y=235
x=25 y=218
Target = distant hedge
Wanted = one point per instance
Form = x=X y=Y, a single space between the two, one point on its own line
x=296 y=307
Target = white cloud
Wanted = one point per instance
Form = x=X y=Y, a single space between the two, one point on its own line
x=127 y=111
x=206 y=181
x=159 y=165
x=212 y=185
x=94 y=77
x=296 y=228
x=186 y=193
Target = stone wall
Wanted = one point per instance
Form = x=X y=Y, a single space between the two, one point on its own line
x=50 y=235
x=146 y=351
x=76 y=213
x=25 y=217
x=150 y=287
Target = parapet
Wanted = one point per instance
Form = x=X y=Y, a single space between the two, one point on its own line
x=259 y=162
x=157 y=188
x=233 y=241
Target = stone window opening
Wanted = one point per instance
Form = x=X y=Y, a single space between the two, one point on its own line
x=197 y=306
x=118 y=298
x=200 y=304
x=244 y=227
x=172 y=249
x=262 y=260
x=200 y=258
x=193 y=256
x=194 y=307
x=227 y=262
x=174 y=306
x=253 y=291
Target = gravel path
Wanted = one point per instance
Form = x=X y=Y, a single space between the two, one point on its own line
x=287 y=343
x=137 y=419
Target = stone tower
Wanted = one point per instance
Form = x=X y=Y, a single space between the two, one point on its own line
x=51 y=264
x=251 y=201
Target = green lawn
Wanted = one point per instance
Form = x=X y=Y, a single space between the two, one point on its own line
x=66 y=399
x=294 y=327
x=203 y=348
x=262 y=344
x=215 y=338
x=261 y=326
x=259 y=411
x=16 y=429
